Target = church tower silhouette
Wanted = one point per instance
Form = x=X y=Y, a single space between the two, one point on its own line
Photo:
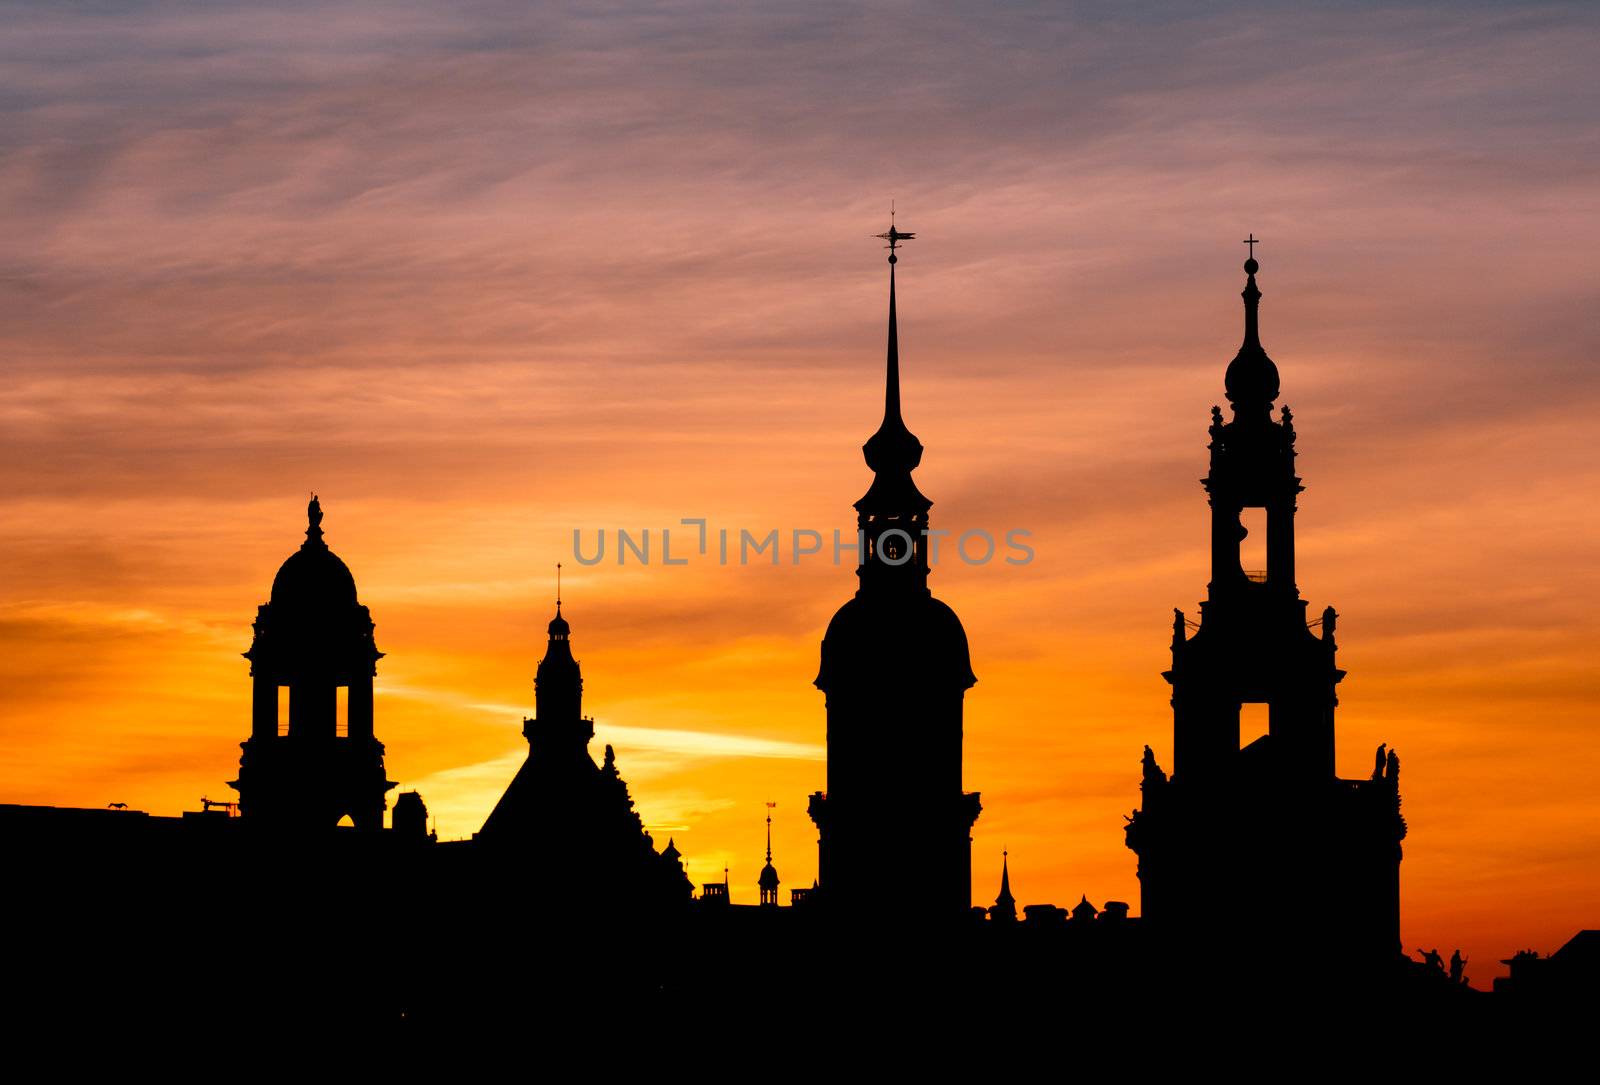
x=1263 y=840
x=565 y=821
x=559 y=777
x=895 y=671
x=312 y=758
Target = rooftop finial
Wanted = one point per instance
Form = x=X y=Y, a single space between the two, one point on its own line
x=894 y=237
x=1252 y=295
x=313 y=521
x=770 y=805
x=558 y=589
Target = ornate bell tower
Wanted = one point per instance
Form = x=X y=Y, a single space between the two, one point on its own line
x=312 y=758
x=895 y=671
x=1258 y=839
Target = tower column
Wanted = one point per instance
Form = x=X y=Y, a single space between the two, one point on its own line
x=1280 y=542
x=263 y=706
x=895 y=668
x=359 y=707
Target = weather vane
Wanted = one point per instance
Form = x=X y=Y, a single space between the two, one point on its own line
x=894 y=236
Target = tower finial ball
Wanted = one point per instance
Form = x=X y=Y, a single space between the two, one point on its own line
x=1251 y=267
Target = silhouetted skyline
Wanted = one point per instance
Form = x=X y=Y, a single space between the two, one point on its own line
x=475 y=313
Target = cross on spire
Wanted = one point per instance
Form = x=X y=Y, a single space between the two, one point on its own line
x=1252 y=241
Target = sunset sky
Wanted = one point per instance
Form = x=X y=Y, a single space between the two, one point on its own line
x=484 y=274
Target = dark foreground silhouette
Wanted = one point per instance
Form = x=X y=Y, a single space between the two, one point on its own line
x=1270 y=886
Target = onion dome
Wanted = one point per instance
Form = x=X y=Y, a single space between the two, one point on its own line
x=1252 y=378
x=768 y=878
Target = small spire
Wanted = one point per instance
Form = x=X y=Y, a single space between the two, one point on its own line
x=559 y=629
x=1005 y=905
x=1252 y=296
x=767 y=881
x=1252 y=378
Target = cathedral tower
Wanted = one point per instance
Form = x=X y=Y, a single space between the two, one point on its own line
x=895 y=670
x=311 y=758
x=1253 y=833
x=565 y=822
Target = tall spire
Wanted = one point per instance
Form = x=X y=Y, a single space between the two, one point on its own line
x=891 y=387
x=1252 y=378
x=893 y=452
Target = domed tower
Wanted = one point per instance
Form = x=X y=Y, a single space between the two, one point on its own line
x=311 y=758
x=895 y=671
x=1253 y=837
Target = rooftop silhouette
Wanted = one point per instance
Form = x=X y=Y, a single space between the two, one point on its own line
x=561 y=902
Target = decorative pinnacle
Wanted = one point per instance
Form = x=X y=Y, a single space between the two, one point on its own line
x=558 y=589
x=894 y=236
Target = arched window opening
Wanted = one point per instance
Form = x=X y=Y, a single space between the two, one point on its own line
x=1254 y=722
x=1253 y=544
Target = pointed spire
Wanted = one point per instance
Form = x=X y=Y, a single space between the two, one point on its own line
x=893 y=452
x=768 y=879
x=1005 y=905
x=891 y=389
x=559 y=629
x=1252 y=378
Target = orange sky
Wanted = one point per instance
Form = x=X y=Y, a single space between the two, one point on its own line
x=484 y=275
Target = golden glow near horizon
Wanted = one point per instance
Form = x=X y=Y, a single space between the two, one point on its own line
x=482 y=286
